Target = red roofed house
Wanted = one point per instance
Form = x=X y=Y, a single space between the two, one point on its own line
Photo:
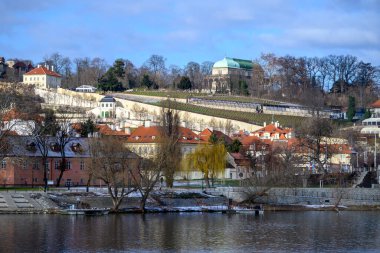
x=273 y=132
x=43 y=78
x=375 y=109
x=206 y=134
x=144 y=142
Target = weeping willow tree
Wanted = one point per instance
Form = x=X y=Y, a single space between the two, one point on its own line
x=209 y=159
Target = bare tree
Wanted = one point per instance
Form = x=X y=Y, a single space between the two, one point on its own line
x=170 y=151
x=156 y=64
x=63 y=136
x=42 y=133
x=113 y=163
x=193 y=71
x=146 y=178
x=314 y=137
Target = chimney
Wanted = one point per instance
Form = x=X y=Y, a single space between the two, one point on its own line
x=127 y=130
x=39 y=66
x=52 y=68
x=147 y=123
x=265 y=123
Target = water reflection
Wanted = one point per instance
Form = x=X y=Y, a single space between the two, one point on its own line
x=193 y=232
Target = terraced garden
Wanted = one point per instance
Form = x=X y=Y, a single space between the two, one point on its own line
x=249 y=117
x=172 y=94
x=179 y=94
x=242 y=99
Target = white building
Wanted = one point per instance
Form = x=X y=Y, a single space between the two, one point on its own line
x=85 y=88
x=42 y=78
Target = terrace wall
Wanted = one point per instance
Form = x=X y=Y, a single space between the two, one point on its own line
x=308 y=196
x=72 y=98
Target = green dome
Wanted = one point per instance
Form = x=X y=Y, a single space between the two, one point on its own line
x=233 y=63
x=226 y=63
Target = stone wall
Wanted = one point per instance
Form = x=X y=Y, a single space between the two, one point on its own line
x=307 y=196
x=201 y=121
x=56 y=98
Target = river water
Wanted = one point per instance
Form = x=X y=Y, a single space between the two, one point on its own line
x=193 y=232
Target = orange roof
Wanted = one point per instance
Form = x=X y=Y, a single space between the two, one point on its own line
x=206 y=134
x=248 y=139
x=42 y=71
x=152 y=134
x=272 y=129
x=106 y=130
x=376 y=104
x=15 y=114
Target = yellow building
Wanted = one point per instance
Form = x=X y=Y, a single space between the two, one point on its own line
x=43 y=78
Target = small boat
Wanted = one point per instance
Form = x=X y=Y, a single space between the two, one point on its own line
x=84 y=211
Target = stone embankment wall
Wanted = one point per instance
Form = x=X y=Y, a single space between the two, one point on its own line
x=200 y=119
x=306 y=196
x=51 y=97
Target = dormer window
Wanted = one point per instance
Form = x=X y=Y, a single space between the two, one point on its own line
x=55 y=147
x=76 y=147
x=31 y=146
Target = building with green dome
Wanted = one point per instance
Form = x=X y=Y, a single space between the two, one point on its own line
x=229 y=75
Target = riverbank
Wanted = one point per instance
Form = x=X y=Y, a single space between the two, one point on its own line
x=161 y=202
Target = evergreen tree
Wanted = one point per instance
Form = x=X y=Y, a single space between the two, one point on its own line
x=367 y=114
x=235 y=146
x=118 y=68
x=351 y=108
x=146 y=82
x=185 y=83
x=88 y=127
x=109 y=82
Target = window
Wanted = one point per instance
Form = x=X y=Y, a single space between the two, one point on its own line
x=47 y=165
x=36 y=165
x=81 y=165
x=25 y=165
x=106 y=105
x=68 y=165
x=3 y=164
x=56 y=165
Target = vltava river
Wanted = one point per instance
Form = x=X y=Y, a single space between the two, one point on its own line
x=193 y=232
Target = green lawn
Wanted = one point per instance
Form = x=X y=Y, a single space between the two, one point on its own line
x=249 y=117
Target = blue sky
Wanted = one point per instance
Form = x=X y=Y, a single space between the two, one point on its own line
x=184 y=31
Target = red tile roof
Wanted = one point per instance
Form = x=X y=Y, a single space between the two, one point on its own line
x=272 y=129
x=376 y=104
x=206 y=133
x=15 y=114
x=152 y=135
x=42 y=71
x=248 y=139
x=106 y=130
